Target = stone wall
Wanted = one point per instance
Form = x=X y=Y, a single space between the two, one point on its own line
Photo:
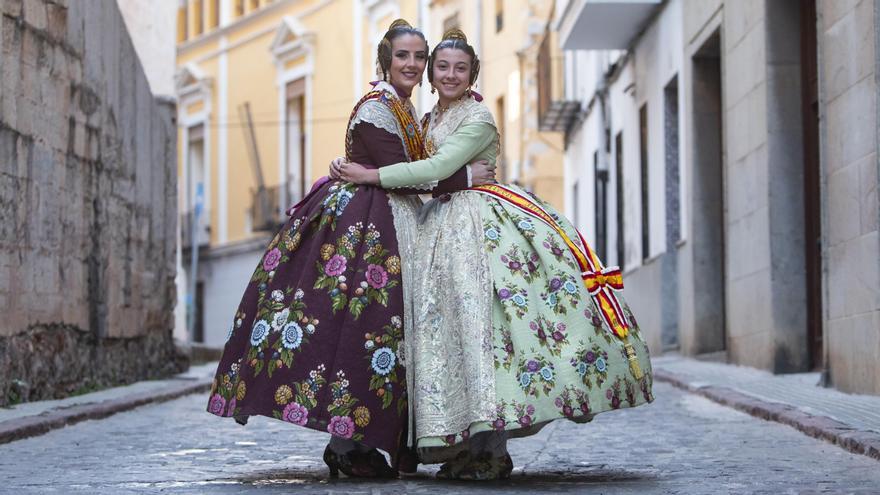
x=87 y=204
x=740 y=269
x=848 y=92
x=763 y=181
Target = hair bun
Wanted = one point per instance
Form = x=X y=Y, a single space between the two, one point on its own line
x=400 y=23
x=454 y=34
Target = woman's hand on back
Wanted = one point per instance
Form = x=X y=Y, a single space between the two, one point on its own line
x=482 y=173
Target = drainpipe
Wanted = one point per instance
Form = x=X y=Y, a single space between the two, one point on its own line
x=525 y=164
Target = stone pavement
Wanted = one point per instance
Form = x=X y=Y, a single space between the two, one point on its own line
x=38 y=417
x=848 y=420
x=682 y=443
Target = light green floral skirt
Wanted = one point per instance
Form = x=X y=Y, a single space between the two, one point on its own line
x=505 y=335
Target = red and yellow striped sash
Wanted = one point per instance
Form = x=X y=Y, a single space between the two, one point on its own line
x=601 y=282
x=412 y=135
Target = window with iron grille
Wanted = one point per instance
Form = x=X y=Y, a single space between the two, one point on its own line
x=601 y=206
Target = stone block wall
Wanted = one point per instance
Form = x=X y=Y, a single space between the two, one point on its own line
x=749 y=308
x=760 y=205
x=87 y=204
x=848 y=92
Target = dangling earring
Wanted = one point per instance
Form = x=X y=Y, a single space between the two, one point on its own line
x=433 y=89
x=469 y=92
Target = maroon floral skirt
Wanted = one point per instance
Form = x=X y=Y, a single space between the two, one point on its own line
x=315 y=339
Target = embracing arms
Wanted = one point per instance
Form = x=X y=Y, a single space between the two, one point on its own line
x=380 y=148
x=460 y=148
x=464 y=145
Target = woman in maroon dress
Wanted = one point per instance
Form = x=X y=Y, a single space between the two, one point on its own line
x=317 y=340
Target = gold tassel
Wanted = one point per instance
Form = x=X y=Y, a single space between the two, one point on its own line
x=633 y=362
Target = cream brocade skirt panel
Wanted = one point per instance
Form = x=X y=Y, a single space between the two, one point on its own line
x=406 y=209
x=451 y=345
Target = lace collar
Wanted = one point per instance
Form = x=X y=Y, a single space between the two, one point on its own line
x=442 y=124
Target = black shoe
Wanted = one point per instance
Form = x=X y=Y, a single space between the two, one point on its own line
x=356 y=464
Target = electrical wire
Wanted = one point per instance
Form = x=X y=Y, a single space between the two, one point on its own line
x=267 y=123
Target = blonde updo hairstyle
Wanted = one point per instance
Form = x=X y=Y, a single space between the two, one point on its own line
x=383 y=53
x=456 y=40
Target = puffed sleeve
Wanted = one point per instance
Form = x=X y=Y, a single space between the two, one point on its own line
x=380 y=146
x=460 y=148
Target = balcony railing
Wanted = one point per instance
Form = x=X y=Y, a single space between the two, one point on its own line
x=203 y=228
x=554 y=112
x=266 y=208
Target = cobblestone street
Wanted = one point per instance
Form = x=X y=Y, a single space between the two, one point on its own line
x=680 y=444
x=166 y=213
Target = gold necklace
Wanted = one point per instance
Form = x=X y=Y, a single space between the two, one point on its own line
x=441 y=110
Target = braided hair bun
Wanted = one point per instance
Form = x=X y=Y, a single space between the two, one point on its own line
x=399 y=23
x=455 y=39
x=455 y=34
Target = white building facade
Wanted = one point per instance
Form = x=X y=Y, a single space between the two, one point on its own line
x=724 y=154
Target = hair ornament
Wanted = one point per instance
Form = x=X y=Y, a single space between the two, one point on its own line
x=454 y=34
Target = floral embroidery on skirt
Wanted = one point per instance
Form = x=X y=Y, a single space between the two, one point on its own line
x=316 y=338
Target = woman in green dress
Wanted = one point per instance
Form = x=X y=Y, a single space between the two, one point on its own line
x=516 y=321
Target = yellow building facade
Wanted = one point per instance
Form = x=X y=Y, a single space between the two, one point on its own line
x=299 y=65
x=507 y=35
x=264 y=89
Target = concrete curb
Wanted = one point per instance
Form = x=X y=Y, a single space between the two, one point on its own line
x=833 y=431
x=19 y=428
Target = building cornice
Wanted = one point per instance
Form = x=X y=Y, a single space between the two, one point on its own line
x=214 y=36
